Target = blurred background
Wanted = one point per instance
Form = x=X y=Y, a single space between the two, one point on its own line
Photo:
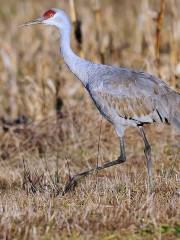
x=34 y=81
x=50 y=129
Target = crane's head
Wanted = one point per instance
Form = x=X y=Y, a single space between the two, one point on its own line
x=55 y=17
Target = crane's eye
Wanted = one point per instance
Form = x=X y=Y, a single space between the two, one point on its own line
x=49 y=14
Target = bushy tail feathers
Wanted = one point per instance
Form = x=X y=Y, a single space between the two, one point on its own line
x=176 y=122
x=169 y=109
x=174 y=113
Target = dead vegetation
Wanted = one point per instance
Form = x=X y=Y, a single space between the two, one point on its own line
x=50 y=129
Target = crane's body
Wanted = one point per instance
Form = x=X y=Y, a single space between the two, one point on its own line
x=123 y=96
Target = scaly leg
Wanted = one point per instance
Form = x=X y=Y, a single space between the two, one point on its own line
x=147 y=152
x=73 y=181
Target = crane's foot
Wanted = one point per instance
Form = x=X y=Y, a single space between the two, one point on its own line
x=73 y=181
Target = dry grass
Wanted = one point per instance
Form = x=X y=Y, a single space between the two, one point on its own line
x=43 y=139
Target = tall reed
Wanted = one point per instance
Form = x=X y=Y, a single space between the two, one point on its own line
x=159 y=26
x=76 y=26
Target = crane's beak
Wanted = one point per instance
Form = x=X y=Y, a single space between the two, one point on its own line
x=33 y=22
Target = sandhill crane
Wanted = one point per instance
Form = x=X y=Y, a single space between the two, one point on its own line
x=123 y=96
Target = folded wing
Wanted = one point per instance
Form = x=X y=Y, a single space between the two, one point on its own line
x=138 y=96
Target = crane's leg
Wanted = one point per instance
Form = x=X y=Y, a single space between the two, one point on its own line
x=147 y=152
x=122 y=158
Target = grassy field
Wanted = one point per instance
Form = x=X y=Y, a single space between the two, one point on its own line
x=50 y=128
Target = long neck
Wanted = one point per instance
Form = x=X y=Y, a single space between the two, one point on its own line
x=77 y=65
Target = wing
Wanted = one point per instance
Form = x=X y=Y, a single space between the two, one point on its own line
x=135 y=95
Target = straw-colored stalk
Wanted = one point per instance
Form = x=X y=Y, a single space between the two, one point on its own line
x=173 y=44
x=73 y=11
x=76 y=25
x=98 y=18
x=159 y=22
x=10 y=65
x=42 y=79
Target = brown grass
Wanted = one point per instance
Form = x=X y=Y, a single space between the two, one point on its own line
x=50 y=128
